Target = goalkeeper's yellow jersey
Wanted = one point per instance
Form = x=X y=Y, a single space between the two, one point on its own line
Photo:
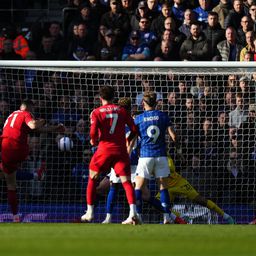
x=174 y=177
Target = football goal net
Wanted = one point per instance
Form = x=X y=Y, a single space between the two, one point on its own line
x=212 y=108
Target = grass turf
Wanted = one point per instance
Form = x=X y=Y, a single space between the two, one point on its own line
x=123 y=240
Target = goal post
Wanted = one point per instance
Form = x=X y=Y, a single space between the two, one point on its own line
x=212 y=107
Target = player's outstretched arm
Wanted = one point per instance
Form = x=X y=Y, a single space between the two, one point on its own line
x=52 y=128
x=36 y=123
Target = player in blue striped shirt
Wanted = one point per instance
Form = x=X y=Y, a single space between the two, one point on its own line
x=152 y=125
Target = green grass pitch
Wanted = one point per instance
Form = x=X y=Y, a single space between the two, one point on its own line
x=122 y=240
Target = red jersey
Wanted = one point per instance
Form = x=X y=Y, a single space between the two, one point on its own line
x=108 y=127
x=15 y=126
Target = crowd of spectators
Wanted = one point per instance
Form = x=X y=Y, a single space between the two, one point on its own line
x=214 y=116
x=127 y=30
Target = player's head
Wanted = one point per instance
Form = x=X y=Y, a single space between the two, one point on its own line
x=27 y=104
x=125 y=103
x=149 y=99
x=107 y=93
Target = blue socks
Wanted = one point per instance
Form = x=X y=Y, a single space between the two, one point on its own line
x=165 y=200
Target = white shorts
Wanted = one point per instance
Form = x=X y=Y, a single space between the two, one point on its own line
x=114 y=179
x=153 y=166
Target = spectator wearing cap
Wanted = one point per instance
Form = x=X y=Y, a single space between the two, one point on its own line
x=141 y=12
x=134 y=50
x=117 y=20
x=108 y=49
x=196 y=47
x=146 y=35
x=229 y=49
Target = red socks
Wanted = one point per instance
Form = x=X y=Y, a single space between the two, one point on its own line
x=91 y=191
x=129 y=191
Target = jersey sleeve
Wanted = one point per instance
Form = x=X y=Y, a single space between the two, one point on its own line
x=94 y=126
x=28 y=117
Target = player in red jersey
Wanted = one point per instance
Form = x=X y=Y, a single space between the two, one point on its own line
x=15 y=149
x=108 y=133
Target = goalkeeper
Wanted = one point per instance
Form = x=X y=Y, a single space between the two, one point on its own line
x=179 y=186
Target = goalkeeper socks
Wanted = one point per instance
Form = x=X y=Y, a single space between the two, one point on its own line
x=129 y=191
x=165 y=200
x=212 y=206
x=13 y=201
x=156 y=203
x=138 y=194
x=91 y=191
x=110 y=199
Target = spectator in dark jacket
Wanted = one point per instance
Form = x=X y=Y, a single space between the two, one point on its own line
x=8 y=52
x=108 y=49
x=117 y=20
x=246 y=25
x=196 y=47
x=141 y=12
x=213 y=32
x=157 y=25
x=189 y=17
x=234 y=17
x=134 y=50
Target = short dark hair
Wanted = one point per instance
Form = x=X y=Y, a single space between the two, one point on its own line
x=27 y=102
x=107 y=93
x=211 y=13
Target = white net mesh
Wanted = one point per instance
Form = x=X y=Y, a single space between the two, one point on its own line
x=217 y=134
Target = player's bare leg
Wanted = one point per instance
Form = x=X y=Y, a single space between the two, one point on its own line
x=90 y=196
